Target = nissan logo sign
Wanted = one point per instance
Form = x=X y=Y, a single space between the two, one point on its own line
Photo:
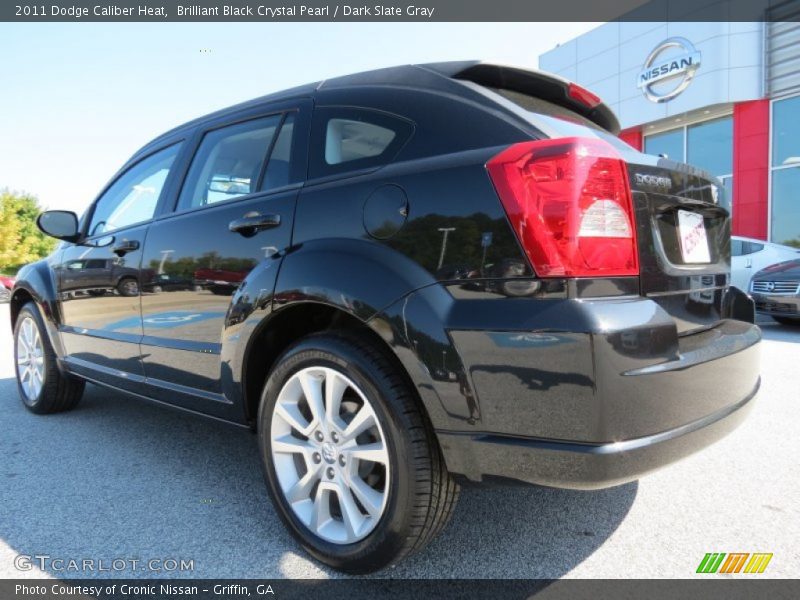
x=680 y=67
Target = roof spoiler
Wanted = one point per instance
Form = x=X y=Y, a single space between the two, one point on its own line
x=542 y=85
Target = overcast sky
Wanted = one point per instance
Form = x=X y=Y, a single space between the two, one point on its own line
x=78 y=99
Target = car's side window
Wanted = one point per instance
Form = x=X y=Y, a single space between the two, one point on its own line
x=229 y=162
x=742 y=248
x=133 y=197
x=349 y=139
x=280 y=159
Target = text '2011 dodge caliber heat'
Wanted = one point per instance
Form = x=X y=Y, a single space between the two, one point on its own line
x=402 y=279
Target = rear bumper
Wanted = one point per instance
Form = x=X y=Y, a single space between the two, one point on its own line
x=595 y=408
x=581 y=465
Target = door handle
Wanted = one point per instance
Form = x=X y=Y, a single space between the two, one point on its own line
x=253 y=222
x=125 y=246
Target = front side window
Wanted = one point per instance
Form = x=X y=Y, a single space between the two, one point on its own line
x=133 y=197
x=348 y=139
x=228 y=163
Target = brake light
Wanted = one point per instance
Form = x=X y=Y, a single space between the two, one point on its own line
x=569 y=203
x=582 y=95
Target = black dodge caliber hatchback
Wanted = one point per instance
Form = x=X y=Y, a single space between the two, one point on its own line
x=401 y=279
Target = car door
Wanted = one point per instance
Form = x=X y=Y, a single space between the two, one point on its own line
x=101 y=316
x=233 y=213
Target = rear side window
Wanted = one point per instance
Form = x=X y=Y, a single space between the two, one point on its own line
x=229 y=163
x=348 y=139
x=277 y=173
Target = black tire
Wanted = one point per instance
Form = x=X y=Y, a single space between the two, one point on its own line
x=422 y=494
x=128 y=286
x=59 y=392
x=788 y=320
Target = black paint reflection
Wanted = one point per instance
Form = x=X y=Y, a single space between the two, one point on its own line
x=475 y=246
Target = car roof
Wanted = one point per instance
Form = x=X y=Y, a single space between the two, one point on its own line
x=443 y=77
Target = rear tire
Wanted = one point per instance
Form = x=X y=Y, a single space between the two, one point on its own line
x=411 y=498
x=788 y=321
x=43 y=388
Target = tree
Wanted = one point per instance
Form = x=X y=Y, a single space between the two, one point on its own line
x=21 y=241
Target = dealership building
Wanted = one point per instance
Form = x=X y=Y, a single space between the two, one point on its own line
x=721 y=96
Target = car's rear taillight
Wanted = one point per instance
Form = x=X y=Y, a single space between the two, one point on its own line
x=569 y=203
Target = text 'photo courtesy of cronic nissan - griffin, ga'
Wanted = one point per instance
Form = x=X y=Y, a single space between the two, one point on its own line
x=402 y=280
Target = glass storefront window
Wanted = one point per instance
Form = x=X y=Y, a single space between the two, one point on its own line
x=669 y=143
x=726 y=195
x=709 y=146
x=786 y=132
x=786 y=207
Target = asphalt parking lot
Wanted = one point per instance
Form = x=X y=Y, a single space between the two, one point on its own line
x=120 y=478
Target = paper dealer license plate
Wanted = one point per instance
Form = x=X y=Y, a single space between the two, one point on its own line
x=693 y=238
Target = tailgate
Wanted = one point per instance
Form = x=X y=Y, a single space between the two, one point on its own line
x=684 y=241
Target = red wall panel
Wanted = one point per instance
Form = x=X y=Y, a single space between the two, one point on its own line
x=751 y=168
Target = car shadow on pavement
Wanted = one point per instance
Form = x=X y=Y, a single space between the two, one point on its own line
x=521 y=532
x=122 y=478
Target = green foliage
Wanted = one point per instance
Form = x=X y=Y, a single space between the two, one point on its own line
x=795 y=243
x=21 y=241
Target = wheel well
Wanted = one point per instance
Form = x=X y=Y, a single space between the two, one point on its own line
x=283 y=329
x=18 y=300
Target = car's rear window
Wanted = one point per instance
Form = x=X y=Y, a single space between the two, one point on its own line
x=554 y=120
x=543 y=107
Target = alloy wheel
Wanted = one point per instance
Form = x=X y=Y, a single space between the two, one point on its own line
x=330 y=455
x=30 y=359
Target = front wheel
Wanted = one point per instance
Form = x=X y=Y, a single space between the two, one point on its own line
x=349 y=458
x=43 y=388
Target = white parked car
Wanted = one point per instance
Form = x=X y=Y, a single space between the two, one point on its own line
x=749 y=256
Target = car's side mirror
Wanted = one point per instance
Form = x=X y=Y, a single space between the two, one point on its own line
x=60 y=224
